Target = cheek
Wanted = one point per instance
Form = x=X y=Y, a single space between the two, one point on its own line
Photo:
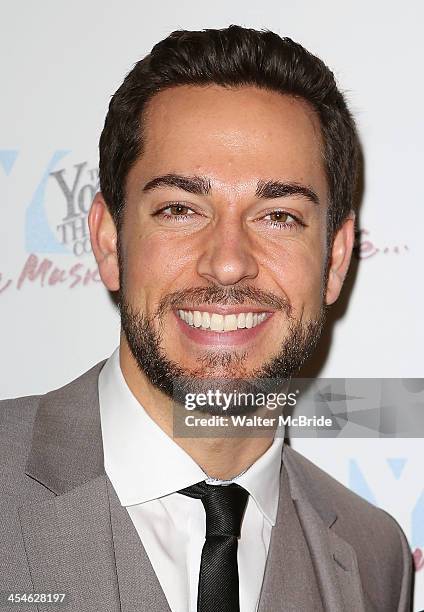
x=298 y=270
x=152 y=265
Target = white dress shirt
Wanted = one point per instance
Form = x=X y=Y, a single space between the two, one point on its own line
x=146 y=468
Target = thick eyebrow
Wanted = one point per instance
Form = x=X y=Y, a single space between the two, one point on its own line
x=279 y=189
x=198 y=185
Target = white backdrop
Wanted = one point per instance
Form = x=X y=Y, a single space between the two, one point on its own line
x=61 y=62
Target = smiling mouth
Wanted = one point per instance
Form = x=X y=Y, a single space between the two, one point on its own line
x=216 y=322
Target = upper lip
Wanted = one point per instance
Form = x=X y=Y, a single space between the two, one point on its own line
x=227 y=309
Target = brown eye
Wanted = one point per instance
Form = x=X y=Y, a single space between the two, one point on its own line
x=279 y=216
x=281 y=219
x=178 y=209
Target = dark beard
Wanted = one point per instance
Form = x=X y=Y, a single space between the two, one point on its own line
x=175 y=381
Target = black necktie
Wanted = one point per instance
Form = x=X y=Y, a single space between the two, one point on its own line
x=218 y=579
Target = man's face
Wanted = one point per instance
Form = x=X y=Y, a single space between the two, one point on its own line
x=223 y=244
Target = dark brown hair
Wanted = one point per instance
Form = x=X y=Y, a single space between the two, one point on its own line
x=231 y=57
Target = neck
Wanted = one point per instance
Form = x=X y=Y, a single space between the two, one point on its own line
x=219 y=457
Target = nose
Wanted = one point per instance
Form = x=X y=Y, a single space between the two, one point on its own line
x=227 y=257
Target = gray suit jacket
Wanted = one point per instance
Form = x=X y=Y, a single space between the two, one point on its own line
x=62 y=528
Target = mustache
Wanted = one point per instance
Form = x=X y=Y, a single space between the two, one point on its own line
x=231 y=296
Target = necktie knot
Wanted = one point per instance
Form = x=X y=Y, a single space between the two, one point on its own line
x=218 y=577
x=224 y=507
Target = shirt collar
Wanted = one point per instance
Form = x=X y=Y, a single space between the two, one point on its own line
x=141 y=460
x=144 y=463
x=262 y=479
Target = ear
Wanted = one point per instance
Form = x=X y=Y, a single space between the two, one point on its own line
x=341 y=253
x=103 y=241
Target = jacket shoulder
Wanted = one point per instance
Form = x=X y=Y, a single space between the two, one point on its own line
x=319 y=486
x=18 y=422
x=16 y=419
x=383 y=553
x=17 y=415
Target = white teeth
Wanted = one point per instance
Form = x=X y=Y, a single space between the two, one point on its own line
x=221 y=323
x=206 y=320
x=230 y=322
x=241 y=320
x=217 y=322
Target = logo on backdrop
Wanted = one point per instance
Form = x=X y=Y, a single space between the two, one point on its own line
x=56 y=223
x=56 y=218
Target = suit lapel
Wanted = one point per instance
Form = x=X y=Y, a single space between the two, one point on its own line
x=67 y=448
x=335 y=563
x=347 y=571
x=139 y=587
x=334 y=559
x=289 y=582
x=69 y=547
x=82 y=541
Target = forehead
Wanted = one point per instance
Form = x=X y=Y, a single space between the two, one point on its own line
x=232 y=135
